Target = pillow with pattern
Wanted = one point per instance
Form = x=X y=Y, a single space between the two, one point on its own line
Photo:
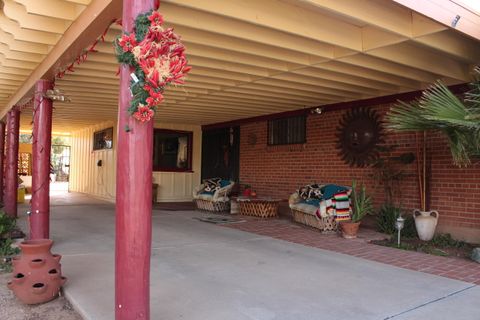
x=212 y=184
x=311 y=191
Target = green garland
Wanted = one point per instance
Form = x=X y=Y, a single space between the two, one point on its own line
x=158 y=58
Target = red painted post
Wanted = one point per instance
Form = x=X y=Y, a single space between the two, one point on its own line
x=11 y=168
x=133 y=196
x=2 y=157
x=42 y=142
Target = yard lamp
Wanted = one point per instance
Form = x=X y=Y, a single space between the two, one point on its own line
x=399 y=224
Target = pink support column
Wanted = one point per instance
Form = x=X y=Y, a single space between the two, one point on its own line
x=2 y=157
x=133 y=196
x=42 y=141
x=11 y=168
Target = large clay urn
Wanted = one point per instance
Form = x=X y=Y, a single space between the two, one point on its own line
x=37 y=274
x=425 y=222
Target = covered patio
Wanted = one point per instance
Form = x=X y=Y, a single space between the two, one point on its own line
x=206 y=271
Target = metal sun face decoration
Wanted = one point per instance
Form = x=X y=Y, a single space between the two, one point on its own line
x=359 y=136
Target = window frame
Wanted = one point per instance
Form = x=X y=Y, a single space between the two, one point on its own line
x=304 y=123
x=189 y=135
x=102 y=131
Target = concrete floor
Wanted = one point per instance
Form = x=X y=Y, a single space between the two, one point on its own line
x=202 y=271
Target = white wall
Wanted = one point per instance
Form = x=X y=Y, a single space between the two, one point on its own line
x=87 y=177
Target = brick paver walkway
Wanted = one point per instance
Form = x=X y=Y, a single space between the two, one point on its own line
x=454 y=268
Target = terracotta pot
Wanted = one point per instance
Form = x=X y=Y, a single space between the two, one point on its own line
x=349 y=229
x=37 y=274
x=425 y=222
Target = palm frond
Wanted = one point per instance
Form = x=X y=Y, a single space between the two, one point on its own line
x=440 y=110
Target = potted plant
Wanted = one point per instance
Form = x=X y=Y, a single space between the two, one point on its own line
x=361 y=206
x=247 y=191
x=439 y=110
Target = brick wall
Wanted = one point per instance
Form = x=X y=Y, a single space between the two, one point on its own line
x=279 y=170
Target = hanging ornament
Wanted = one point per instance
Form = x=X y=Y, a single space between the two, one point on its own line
x=158 y=57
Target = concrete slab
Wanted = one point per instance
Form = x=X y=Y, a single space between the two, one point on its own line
x=204 y=271
x=462 y=305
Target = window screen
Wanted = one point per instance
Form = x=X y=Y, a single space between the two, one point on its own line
x=287 y=130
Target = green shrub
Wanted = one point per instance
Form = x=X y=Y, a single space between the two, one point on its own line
x=446 y=241
x=409 y=230
x=7 y=223
x=6 y=252
x=387 y=217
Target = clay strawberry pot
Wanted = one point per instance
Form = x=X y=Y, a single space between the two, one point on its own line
x=349 y=229
x=37 y=275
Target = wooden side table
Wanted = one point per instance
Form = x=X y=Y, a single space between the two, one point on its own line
x=258 y=207
x=234 y=208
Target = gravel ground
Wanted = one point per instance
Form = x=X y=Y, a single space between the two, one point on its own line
x=13 y=309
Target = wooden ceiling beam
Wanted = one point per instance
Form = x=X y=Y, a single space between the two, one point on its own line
x=410 y=55
x=17 y=64
x=20 y=55
x=389 y=67
x=321 y=82
x=28 y=35
x=323 y=73
x=367 y=73
x=18 y=12
x=466 y=50
x=444 y=11
x=51 y=8
x=220 y=41
x=24 y=46
x=382 y=14
x=81 y=33
x=179 y=15
x=282 y=17
x=14 y=71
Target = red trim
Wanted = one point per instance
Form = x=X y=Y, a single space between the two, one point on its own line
x=2 y=157
x=457 y=89
x=42 y=142
x=133 y=219
x=189 y=134
x=11 y=165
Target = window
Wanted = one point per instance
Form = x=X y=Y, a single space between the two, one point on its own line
x=24 y=164
x=287 y=130
x=172 y=150
x=103 y=139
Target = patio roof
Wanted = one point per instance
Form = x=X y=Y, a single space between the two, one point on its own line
x=249 y=58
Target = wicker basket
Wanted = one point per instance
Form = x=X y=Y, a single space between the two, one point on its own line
x=326 y=225
x=217 y=206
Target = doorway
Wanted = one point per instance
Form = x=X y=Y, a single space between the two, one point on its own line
x=59 y=168
x=221 y=153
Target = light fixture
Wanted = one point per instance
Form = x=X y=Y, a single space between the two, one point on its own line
x=317 y=110
x=399 y=224
x=455 y=21
x=56 y=95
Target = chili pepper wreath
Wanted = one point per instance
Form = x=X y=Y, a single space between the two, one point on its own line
x=158 y=57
